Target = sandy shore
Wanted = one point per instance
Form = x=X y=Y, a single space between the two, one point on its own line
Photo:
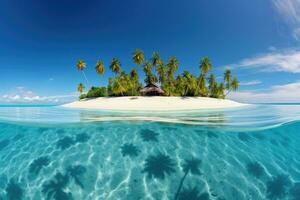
x=153 y=103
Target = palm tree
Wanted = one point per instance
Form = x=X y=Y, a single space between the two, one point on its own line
x=192 y=166
x=148 y=72
x=202 y=85
x=115 y=66
x=153 y=79
x=99 y=68
x=156 y=61
x=190 y=84
x=109 y=87
x=227 y=79
x=211 y=81
x=213 y=86
x=159 y=67
x=81 y=65
x=161 y=70
x=133 y=74
x=180 y=85
x=172 y=65
x=138 y=57
x=205 y=65
x=147 y=68
x=221 y=91
x=133 y=82
x=235 y=84
x=185 y=84
x=118 y=87
x=80 y=88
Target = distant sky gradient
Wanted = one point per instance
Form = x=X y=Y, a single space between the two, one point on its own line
x=41 y=41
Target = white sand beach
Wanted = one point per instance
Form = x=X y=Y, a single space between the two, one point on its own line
x=156 y=103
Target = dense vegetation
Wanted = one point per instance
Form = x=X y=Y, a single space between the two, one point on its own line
x=156 y=71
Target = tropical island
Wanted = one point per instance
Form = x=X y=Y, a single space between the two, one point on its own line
x=162 y=89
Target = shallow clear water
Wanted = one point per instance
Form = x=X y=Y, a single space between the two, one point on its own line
x=56 y=153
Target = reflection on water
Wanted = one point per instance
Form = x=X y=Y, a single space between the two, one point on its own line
x=255 y=116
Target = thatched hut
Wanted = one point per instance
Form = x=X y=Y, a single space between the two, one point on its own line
x=152 y=90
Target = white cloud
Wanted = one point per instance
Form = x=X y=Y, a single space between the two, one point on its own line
x=290 y=11
x=288 y=93
x=279 y=61
x=15 y=97
x=254 y=82
x=22 y=95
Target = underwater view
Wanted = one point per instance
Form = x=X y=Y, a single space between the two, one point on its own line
x=55 y=153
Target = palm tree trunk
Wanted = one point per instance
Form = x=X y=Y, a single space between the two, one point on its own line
x=227 y=92
x=180 y=185
x=85 y=77
x=185 y=91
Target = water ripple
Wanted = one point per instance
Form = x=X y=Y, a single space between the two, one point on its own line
x=250 y=117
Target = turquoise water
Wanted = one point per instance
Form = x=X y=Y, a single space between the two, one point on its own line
x=56 y=153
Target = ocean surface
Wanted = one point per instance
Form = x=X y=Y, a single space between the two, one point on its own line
x=251 y=153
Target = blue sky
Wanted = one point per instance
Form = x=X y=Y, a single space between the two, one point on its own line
x=42 y=40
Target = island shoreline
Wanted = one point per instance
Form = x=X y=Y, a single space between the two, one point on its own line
x=155 y=103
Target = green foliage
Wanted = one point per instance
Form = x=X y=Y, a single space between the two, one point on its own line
x=172 y=67
x=81 y=65
x=115 y=65
x=235 y=84
x=124 y=84
x=213 y=86
x=82 y=96
x=119 y=85
x=80 y=88
x=138 y=57
x=150 y=77
x=156 y=61
x=169 y=82
x=203 y=91
x=205 y=65
x=161 y=71
x=221 y=94
x=99 y=68
x=97 y=92
x=133 y=85
x=186 y=84
x=227 y=79
x=148 y=72
x=109 y=87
